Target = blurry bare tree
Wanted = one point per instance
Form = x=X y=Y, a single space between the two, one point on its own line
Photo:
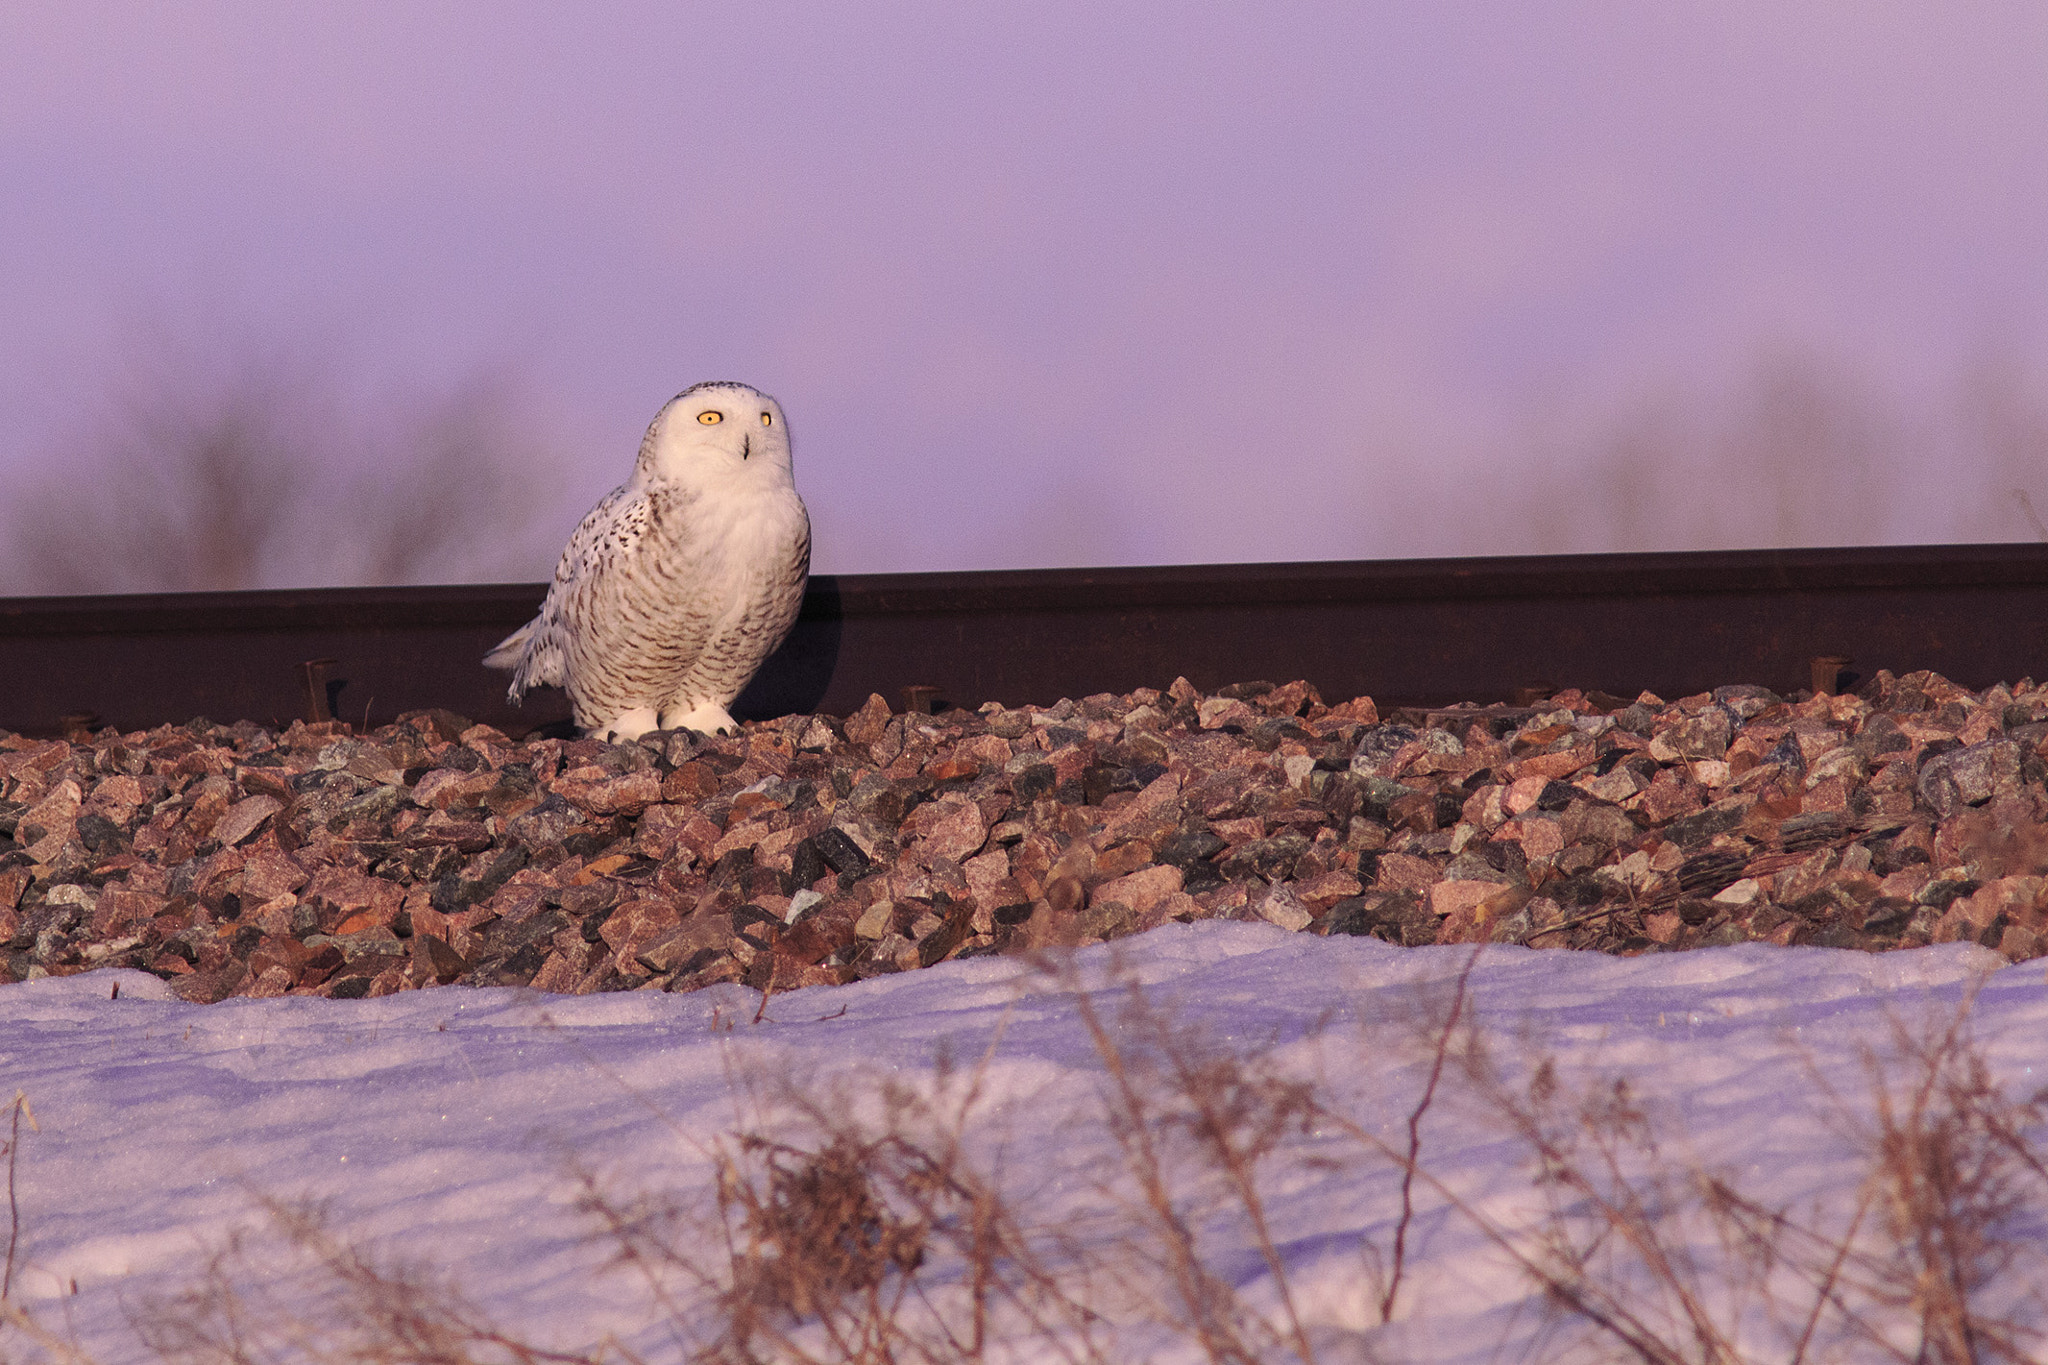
x=2009 y=423
x=267 y=473
x=262 y=475
x=1813 y=455
x=1802 y=454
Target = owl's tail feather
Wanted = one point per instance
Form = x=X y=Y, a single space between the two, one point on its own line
x=526 y=657
x=508 y=652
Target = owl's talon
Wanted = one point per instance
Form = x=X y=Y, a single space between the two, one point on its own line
x=626 y=727
x=708 y=718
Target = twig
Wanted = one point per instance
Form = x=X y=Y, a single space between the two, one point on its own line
x=1613 y=1317
x=2027 y=509
x=1575 y=923
x=14 y=1207
x=1436 y=1071
x=1217 y=1125
x=1132 y=1126
x=1765 y=1228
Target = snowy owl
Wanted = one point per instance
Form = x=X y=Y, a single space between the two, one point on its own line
x=675 y=587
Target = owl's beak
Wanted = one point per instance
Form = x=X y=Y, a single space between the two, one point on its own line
x=746 y=445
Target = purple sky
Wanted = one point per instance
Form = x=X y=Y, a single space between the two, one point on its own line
x=1057 y=283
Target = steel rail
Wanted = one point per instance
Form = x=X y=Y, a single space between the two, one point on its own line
x=1408 y=632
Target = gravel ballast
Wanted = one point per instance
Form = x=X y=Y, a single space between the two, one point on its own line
x=241 y=861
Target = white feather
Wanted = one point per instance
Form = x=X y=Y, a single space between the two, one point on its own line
x=675 y=588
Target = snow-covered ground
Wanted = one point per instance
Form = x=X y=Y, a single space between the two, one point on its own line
x=445 y=1124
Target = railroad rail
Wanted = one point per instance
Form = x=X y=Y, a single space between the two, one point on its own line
x=1408 y=632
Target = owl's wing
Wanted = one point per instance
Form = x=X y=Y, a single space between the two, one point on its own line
x=610 y=534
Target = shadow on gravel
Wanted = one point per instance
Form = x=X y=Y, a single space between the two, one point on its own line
x=796 y=676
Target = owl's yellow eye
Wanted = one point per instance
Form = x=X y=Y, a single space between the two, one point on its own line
x=711 y=419
x=767 y=420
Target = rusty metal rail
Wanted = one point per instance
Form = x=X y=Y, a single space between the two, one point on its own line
x=1408 y=632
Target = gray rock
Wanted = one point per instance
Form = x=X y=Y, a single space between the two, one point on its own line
x=1745 y=702
x=1381 y=743
x=1705 y=735
x=1970 y=776
x=546 y=825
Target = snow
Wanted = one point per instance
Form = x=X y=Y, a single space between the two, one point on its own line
x=446 y=1124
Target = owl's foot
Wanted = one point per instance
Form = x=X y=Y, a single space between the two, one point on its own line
x=628 y=725
x=709 y=718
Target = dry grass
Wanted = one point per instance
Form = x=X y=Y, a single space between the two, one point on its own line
x=1936 y=1260
x=1199 y=1129
x=300 y=1293
x=1961 y=1201
x=878 y=1221
x=858 y=1222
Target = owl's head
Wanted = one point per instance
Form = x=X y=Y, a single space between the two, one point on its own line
x=719 y=432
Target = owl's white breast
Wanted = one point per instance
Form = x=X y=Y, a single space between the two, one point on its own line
x=740 y=533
